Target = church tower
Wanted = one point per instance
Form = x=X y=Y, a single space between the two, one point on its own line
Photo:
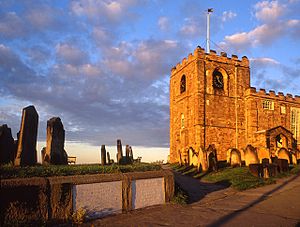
x=207 y=104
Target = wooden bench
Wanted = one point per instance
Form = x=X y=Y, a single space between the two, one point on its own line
x=71 y=160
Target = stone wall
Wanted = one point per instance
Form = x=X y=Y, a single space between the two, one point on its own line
x=54 y=199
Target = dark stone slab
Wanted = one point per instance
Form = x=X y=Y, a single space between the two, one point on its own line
x=119 y=152
x=256 y=170
x=55 y=152
x=283 y=165
x=103 y=155
x=26 y=151
x=7 y=146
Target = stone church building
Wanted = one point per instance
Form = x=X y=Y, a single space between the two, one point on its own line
x=213 y=107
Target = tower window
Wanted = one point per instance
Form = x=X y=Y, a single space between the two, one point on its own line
x=282 y=110
x=182 y=84
x=268 y=105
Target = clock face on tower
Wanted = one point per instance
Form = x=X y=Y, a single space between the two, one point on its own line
x=218 y=79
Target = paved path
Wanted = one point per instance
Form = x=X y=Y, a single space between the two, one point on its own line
x=212 y=205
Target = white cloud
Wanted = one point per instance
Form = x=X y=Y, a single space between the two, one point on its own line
x=104 y=10
x=11 y=25
x=228 y=15
x=264 y=61
x=269 y=10
x=163 y=23
x=71 y=54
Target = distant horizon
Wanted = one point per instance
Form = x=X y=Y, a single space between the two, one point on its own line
x=90 y=154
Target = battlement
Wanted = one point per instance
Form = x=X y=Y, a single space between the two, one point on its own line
x=272 y=95
x=212 y=56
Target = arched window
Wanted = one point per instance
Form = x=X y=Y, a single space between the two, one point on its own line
x=218 y=79
x=182 y=84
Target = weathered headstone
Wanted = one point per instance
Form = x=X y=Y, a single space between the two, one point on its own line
x=251 y=155
x=103 y=155
x=108 y=158
x=7 y=147
x=256 y=170
x=235 y=157
x=211 y=153
x=119 y=152
x=272 y=170
x=129 y=155
x=43 y=154
x=26 y=151
x=283 y=165
x=265 y=162
x=55 y=152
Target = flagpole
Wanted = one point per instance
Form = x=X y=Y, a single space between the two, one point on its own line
x=208 y=31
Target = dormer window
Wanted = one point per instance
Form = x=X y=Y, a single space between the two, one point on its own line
x=182 y=84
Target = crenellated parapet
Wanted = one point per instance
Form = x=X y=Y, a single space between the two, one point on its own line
x=272 y=95
x=199 y=53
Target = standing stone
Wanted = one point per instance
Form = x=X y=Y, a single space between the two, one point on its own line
x=103 y=155
x=130 y=154
x=127 y=154
x=108 y=158
x=26 y=151
x=55 y=152
x=43 y=154
x=7 y=147
x=119 y=153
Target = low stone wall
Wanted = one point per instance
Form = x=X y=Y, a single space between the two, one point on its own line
x=56 y=198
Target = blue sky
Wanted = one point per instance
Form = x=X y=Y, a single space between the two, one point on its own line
x=104 y=66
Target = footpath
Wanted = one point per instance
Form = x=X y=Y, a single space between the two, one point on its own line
x=213 y=205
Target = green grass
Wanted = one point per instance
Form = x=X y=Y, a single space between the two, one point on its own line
x=180 y=196
x=295 y=170
x=9 y=171
x=239 y=178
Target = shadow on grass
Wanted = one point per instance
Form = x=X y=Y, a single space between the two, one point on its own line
x=188 y=179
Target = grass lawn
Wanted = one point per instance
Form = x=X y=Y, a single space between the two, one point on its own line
x=9 y=171
x=239 y=178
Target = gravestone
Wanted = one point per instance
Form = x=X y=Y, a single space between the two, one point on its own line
x=235 y=158
x=283 y=165
x=251 y=155
x=103 y=155
x=272 y=168
x=108 y=158
x=119 y=152
x=7 y=147
x=129 y=155
x=55 y=152
x=212 y=158
x=283 y=153
x=43 y=153
x=265 y=162
x=256 y=170
x=26 y=151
